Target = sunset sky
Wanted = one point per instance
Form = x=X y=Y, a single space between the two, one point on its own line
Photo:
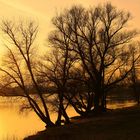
x=43 y=10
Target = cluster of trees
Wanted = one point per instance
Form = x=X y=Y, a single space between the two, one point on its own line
x=92 y=50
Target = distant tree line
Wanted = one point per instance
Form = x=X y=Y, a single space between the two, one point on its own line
x=92 y=51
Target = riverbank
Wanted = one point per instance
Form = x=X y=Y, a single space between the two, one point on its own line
x=119 y=124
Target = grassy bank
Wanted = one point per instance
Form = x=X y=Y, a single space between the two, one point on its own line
x=120 y=124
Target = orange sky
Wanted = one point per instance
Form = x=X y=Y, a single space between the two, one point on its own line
x=43 y=10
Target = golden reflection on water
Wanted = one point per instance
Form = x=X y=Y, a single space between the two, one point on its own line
x=13 y=124
x=123 y=104
x=16 y=126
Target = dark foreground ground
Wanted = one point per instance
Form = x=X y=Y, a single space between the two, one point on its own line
x=120 y=124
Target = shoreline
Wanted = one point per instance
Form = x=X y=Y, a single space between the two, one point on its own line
x=117 y=124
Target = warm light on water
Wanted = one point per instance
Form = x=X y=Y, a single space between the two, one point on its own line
x=115 y=105
x=16 y=126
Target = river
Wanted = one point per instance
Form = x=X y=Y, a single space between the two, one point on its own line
x=15 y=125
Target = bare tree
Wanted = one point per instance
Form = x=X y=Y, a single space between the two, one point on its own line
x=100 y=38
x=133 y=79
x=19 y=64
x=56 y=68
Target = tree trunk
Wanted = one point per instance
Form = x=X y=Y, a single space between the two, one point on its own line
x=90 y=103
x=58 y=121
x=96 y=103
x=65 y=115
x=103 y=102
x=137 y=98
x=62 y=110
x=49 y=123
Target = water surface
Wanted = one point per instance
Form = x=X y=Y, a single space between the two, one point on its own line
x=15 y=125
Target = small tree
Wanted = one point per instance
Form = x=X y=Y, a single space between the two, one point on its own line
x=134 y=73
x=56 y=69
x=19 y=64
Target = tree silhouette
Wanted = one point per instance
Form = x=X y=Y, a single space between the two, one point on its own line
x=133 y=79
x=55 y=68
x=92 y=50
x=101 y=41
x=19 y=64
